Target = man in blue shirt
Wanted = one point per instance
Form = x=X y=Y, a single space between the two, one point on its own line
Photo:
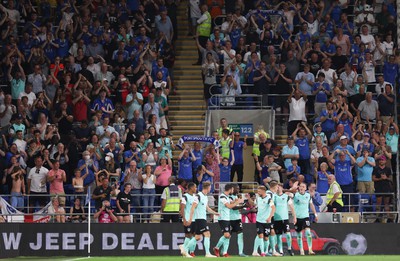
x=238 y=146
x=185 y=164
x=103 y=104
x=328 y=119
x=289 y=152
x=366 y=166
x=390 y=70
x=302 y=136
x=343 y=172
x=344 y=146
x=321 y=90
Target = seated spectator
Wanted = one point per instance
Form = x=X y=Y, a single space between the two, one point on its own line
x=56 y=211
x=383 y=184
x=77 y=212
x=365 y=164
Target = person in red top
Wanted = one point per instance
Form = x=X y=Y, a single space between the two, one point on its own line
x=57 y=177
x=105 y=213
x=80 y=105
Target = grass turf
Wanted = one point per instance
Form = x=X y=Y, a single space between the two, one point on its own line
x=200 y=258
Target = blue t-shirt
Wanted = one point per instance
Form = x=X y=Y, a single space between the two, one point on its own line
x=199 y=158
x=264 y=173
x=224 y=173
x=329 y=123
x=365 y=172
x=238 y=152
x=322 y=182
x=63 y=48
x=304 y=148
x=331 y=49
x=290 y=151
x=321 y=95
x=291 y=168
x=347 y=126
x=390 y=72
x=235 y=36
x=205 y=178
x=185 y=169
x=343 y=172
x=368 y=146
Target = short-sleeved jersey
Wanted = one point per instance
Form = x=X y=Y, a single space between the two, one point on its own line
x=188 y=200
x=282 y=207
x=301 y=204
x=224 y=212
x=264 y=208
x=201 y=209
x=235 y=213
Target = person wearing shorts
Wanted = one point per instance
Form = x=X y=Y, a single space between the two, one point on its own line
x=302 y=202
x=266 y=210
x=188 y=204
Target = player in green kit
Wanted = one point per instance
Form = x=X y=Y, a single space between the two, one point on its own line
x=273 y=189
x=188 y=203
x=281 y=218
x=302 y=201
x=236 y=220
x=265 y=212
x=224 y=208
x=201 y=209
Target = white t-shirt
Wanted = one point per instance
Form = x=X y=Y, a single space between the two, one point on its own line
x=297 y=110
x=150 y=184
x=195 y=11
x=5 y=120
x=328 y=76
x=31 y=97
x=387 y=47
x=37 y=177
x=369 y=71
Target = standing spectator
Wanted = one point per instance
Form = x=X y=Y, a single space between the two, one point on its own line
x=365 y=168
x=289 y=152
x=163 y=172
x=36 y=186
x=203 y=29
x=37 y=79
x=282 y=80
x=390 y=70
x=261 y=82
x=80 y=105
x=386 y=101
x=302 y=136
x=152 y=107
x=392 y=139
x=135 y=178
x=103 y=104
x=368 y=110
x=343 y=174
x=148 y=191
x=297 y=108
x=124 y=199
x=134 y=101
x=329 y=73
x=102 y=193
x=18 y=188
x=185 y=164
x=104 y=131
x=57 y=177
x=6 y=111
x=306 y=80
x=382 y=177
x=321 y=90
x=238 y=146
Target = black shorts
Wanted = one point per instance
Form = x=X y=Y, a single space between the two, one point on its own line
x=302 y=223
x=281 y=226
x=190 y=229
x=225 y=226
x=272 y=223
x=201 y=226
x=236 y=226
x=263 y=228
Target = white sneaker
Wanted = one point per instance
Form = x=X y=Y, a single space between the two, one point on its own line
x=187 y=255
x=310 y=252
x=182 y=249
x=276 y=254
x=210 y=255
x=255 y=254
x=302 y=252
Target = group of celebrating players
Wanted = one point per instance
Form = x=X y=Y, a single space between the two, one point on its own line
x=272 y=219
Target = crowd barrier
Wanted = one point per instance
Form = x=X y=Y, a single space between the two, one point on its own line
x=161 y=240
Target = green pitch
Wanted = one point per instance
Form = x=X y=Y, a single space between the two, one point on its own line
x=198 y=258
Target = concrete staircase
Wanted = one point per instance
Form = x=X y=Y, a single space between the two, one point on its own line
x=187 y=107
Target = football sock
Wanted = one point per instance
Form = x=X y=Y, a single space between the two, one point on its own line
x=280 y=248
x=256 y=245
x=288 y=240
x=240 y=242
x=266 y=246
x=309 y=238
x=300 y=241
x=226 y=245
x=207 y=245
x=261 y=243
x=192 y=244
x=272 y=243
x=220 y=242
x=185 y=243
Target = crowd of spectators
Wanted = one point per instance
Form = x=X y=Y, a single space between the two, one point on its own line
x=84 y=96
x=330 y=71
x=86 y=100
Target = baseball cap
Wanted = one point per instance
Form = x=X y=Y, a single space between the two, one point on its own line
x=343 y=137
x=383 y=157
x=109 y=156
x=366 y=134
x=391 y=128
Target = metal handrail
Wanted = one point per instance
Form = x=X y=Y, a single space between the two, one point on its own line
x=232 y=103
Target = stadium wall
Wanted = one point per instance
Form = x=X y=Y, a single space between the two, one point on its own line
x=162 y=239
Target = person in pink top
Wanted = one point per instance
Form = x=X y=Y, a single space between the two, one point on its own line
x=57 y=177
x=162 y=173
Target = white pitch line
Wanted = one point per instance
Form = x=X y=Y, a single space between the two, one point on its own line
x=76 y=259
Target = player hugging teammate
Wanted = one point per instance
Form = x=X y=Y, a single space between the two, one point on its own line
x=272 y=220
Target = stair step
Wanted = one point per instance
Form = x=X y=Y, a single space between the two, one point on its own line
x=186 y=97
x=183 y=117
x=185 y=101
x=188 y=127
x=187 y=132
x=187 y=107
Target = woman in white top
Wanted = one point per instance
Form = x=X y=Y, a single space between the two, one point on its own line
x=150 y=156
x=149 y=191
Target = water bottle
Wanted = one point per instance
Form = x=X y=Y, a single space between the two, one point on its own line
x=335 y=216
